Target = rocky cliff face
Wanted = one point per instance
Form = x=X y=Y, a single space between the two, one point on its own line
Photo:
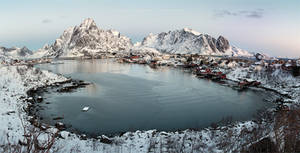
x=86 y=40
x=188 y=41
x=222 y=44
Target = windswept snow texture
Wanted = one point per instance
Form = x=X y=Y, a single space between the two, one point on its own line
x=86 y=40
x=188 y=41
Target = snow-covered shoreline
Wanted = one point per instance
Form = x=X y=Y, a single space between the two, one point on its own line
x=15 y=81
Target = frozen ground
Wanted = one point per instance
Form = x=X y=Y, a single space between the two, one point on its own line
x=281 y=81
x=15 y=81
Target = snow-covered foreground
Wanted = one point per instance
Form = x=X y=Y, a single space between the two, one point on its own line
x=15 y=81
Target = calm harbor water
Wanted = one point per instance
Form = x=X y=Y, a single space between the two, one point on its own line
x=129 y=97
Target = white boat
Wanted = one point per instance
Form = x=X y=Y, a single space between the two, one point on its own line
x=85 y=109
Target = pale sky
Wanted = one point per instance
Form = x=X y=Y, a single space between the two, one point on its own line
x=269 y=26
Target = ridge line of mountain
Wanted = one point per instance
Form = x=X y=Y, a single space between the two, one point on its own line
x=87 y=39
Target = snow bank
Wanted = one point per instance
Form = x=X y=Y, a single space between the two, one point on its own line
x=279 y=80
x=14 y=82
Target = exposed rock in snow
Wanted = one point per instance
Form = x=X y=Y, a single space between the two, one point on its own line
x=187 y=41
x=86 y=40
x=222 y=44
x=192 y=31
x=15 y=52
x=261 y=56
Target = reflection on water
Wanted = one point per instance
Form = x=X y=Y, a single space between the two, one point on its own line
x=92 y=89
x=126 y=97
x=88 y=67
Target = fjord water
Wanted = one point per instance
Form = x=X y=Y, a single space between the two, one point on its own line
x=129 y=97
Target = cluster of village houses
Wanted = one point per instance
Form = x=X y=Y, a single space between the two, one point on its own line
x=203 y=65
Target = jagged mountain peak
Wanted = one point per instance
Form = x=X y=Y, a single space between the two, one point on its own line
x=88 y=23
x=87 y=40
x=188 y=41
x=182 y=41
x=24 y=48
x=114 y=32
x=191 y=31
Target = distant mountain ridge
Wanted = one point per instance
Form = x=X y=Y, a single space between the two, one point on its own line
x=87 y=40
x=188 y=41
x=15 y=52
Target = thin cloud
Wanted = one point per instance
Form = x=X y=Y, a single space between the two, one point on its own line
x=258 y=13
x=255 y=14
x=224 y=13
x=46 y=21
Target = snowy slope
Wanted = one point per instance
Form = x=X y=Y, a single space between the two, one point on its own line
x=240 y=52
x=188 y=41
x=14 y=82
x=15 y=52
x=85 y=40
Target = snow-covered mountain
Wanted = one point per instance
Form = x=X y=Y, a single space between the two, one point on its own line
x=89 y=40
x=85 y=40
x=15 y=52
x=188 y=41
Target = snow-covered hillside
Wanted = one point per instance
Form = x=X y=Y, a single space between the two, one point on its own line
x=14 y=53
x=188 y=41
x=14 y=83
x=85 y=40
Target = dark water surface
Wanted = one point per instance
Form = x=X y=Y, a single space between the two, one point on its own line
x=129 y=97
